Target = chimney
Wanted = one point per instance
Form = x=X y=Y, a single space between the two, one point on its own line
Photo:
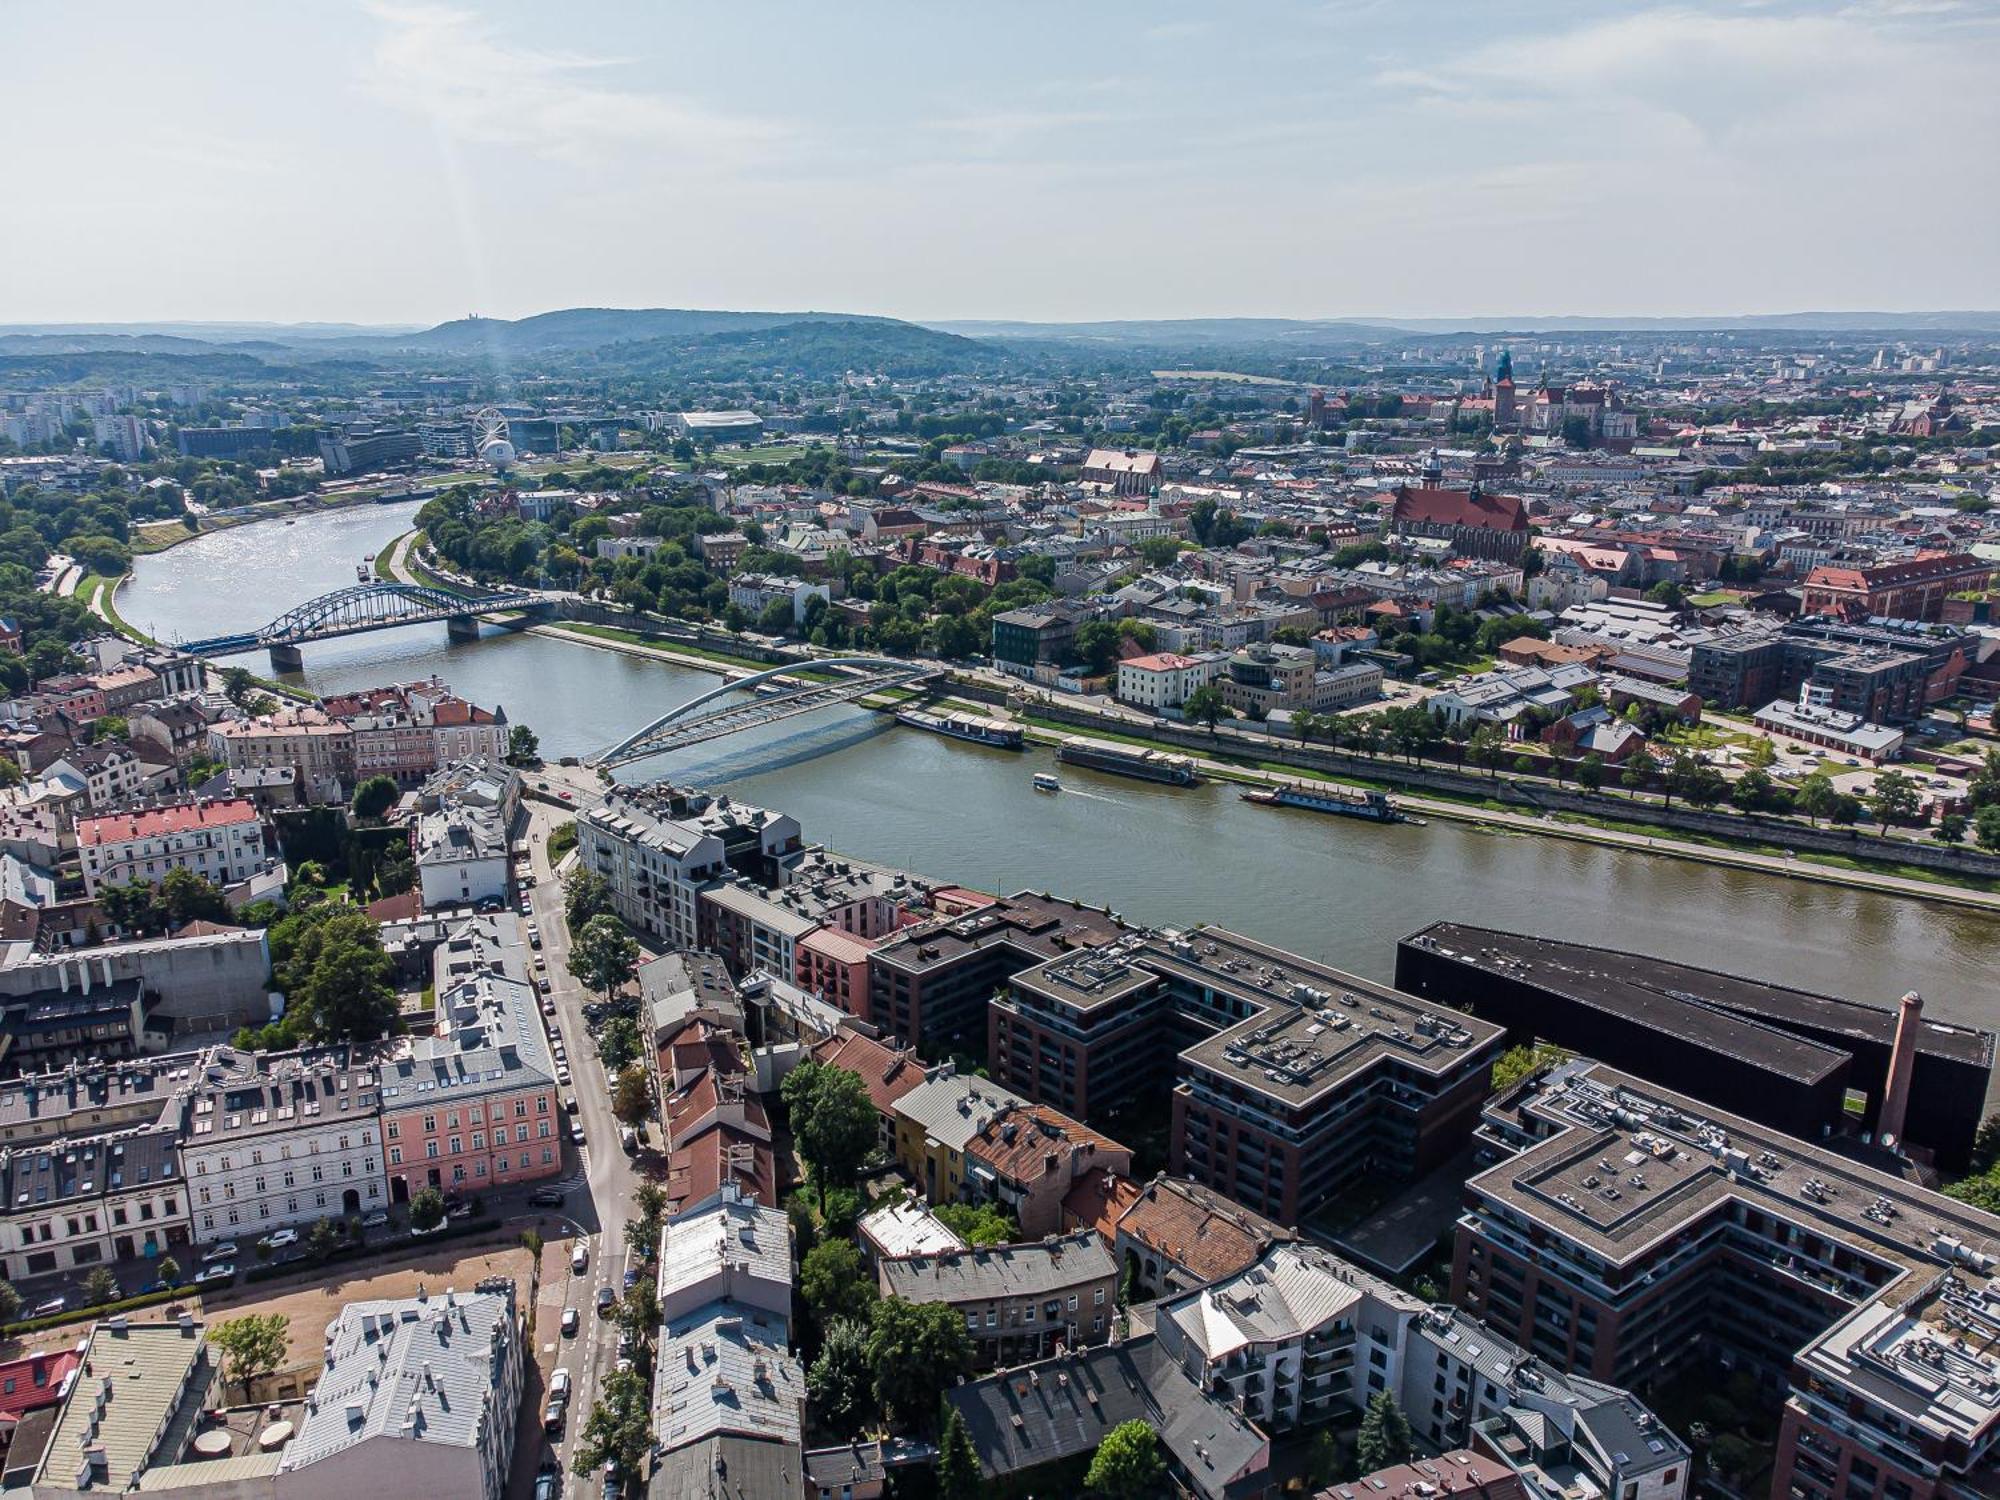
x=1902 y=1060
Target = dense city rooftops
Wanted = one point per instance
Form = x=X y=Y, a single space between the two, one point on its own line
x=991 y=1272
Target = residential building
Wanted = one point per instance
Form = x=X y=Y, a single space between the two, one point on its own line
x=317 y=748
x=147 y=1386
x=90 y=1201
x=1025 y=1158
x=461 y=835
x=1037 y=635
x=1123 y=472
x=471 y=1107
x=277 y=1140
x=726 y=1248
x=1018 y=1301
x=416 y=1396
x=904 y=1227
x=755 y=593
x=929 y=983
x=936 y=1121
x=221 y=840
x=1164 y=679
x=658 y=847
x=1177 y=1235
x=83 y=1101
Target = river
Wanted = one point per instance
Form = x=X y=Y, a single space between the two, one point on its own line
x=1339 y=891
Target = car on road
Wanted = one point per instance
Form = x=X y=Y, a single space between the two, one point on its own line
x=277 y=1239
x=225 y=1271
x=162 y=1285
x=548 y=1007
x=631 y=1277
x=554 y=1412
x=579 y=1258
x=375 y=1221
x=546 y=1198
x=571 y=1321
x=576 y=1132
x=569 y=1103
x=606 y=1299
x=224 y=1251
x=548 y=1483
x=563 y=1075
x=420 y=1233
x=541 y=961
x=51 y=1307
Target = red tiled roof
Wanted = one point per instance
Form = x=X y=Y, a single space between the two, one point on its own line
x=34 y=1381
x=1202 y=1231
x=1434 y=507
x=1097 y=1200
x=889 y=1073
x=180 y=817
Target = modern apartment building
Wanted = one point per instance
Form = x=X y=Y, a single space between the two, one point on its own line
x=929 y=984
x=1627 y=1232
x=1290 y=1079
x=658 y=847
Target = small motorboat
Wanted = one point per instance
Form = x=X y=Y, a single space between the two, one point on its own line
x=1044 y=782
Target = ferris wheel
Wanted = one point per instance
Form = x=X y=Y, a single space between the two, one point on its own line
x=492 y=444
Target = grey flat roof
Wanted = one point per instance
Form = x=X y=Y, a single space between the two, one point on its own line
x=1700 y=1004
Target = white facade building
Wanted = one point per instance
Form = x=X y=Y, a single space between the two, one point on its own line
x=1165 y=679
x=221 y=840
x=277 y=1139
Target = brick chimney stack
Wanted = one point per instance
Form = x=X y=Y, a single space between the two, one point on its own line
x=1902 y=1061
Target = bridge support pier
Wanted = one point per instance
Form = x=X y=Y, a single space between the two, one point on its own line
x=462 y=627
x=287 y=659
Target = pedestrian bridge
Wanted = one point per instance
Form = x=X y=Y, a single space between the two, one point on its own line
x=381 y=605
x=708 y=718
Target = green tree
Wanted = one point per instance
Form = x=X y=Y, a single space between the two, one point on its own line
x=642 y=1234
x=838 y=1384
x=959 y=1476
x=979 y=1224
x=1638 y=772
x=603 y=957
x=1160 y=551
x=238 y=685
x=1486 y=747
x=374 y=797
x=834 y=1282
x=1986 y=827
x=169 y=1269
x=1097 y=643
x=1950 y=829
x=185 y=897
x=1816 y=797
x=1385 y=1438
x=252 y=1345
x=524 y=747
x=586 y=894
x=915 y=1350
x=620 y=1426
x=632 y=1101
x=99 y=1286
x=1205 y=706
x=1590 y=773
x=427 y=1209
x=322 y=1239
x=638 y=1311
x=618 y=1042
x=1893 y=799
x=834 y=1124
x=1127 y=1465
x=1516 y=1063
x=10 y=1302
x=350 y=991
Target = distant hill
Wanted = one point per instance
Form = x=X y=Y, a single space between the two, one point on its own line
x=1187 y=333
x=593 y=327
x=817 y=347
x=1298 y=334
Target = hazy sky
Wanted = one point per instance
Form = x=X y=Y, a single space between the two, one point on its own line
x=412 y=162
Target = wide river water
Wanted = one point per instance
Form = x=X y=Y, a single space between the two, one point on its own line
x=1337 y=890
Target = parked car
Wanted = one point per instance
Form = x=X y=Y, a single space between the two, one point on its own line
x=375 y=1221
x=571 y=1321
x=548 y=1483
x=570 y=1104
x=563 y=1075
x=432 y=1230
x=53 y=1306
x=548 y=1007
x=579 y=1258
x=277 y=1239
x=631 y=1277
x=546 y=1198
x=224 y=1251
x=576 y=1132
x=225 y=1271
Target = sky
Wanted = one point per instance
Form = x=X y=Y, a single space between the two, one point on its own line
x=397 y=161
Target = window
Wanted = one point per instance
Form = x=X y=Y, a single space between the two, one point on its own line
x=1072 y=1301
x=1097 y=1297
x=431 y=1149
x=395 y=1156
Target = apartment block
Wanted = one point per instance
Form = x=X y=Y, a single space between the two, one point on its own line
x=1019 y=1301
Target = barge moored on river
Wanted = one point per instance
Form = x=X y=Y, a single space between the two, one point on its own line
x=1344 y=802
x=972 y=727
x=1129 y=760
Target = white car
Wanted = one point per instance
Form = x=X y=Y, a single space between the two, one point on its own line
x=562 y=1075
x=279 y=1238
x=579 y=1262
x=375 y=1221
x=226 y=1271
x=224 y=1251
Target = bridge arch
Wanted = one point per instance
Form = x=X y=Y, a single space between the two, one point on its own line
x=380 y=605
x=688 y=709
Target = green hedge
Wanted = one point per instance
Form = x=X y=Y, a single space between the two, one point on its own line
x=99 y=1310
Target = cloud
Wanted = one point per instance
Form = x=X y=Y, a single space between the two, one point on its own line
x=483 y=88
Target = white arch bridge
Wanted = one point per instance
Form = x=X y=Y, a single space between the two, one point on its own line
x=694 y=722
